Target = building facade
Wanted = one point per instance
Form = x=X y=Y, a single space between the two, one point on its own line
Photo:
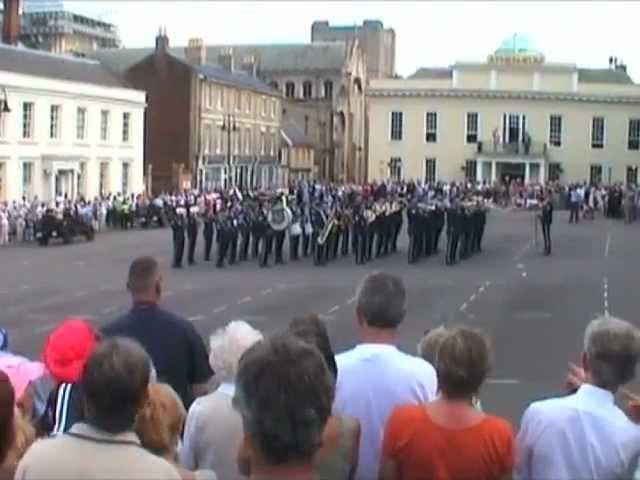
x=73 y=131
x=324 y=85
x=378 y=43
x=298 y=154
x=214 y=125
x=512 y=117
x=53 y=27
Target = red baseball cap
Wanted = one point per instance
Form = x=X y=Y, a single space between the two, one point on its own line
x=68 y=348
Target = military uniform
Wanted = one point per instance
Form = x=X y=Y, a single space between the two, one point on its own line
x=207 y=232
x=222 y=228
x=244 y=226
x=360 y=235
x=177 y=227
x=546 y=218
x=192 y=232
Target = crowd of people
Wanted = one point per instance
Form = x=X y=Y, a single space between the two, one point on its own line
x=143 y=397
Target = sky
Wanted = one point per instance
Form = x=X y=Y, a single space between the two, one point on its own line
x=427 y=33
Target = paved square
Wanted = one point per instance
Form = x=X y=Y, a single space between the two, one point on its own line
x=534 y=308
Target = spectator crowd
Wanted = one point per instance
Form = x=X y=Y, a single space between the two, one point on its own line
x=144 y=398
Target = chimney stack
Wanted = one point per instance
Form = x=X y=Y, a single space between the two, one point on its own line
x=196 y=52
x=11 y=22
x=250 y=65
x=225 y=59
x=162 y=41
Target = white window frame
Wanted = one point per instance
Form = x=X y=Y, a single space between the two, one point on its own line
x=221 y=98
x=263 y=140
x=602 y=172
x=27 y=183
x=637 y=139
x=264 y=106
x=391 y=139
x=126 y=122
x=551 y=116
x=125 y=180
x=85 y=118
x=105 y=121
x=237 y=98
x=466 y=128
x=247 y=140
x=55 y=126
x=294 y=89
x=470 y=169
x=604 y=132
x=426 y=114
x=247 y=105
x=274 y=108
x=308 y=83
x=28 y=128
x=3 y=124
x=206 y=138
x=236 y=141
x=273 y=143
x=397 y=168
x=219 y=135
x=435 y=170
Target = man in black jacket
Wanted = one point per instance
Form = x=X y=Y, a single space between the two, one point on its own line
x=546 y=218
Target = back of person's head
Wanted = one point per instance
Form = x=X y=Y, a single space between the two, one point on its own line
x=7 y=415
x=114 y=384
x=68 y=347
x=463 y=362
x=144 y=277
x=430 y=343
x=284 y=393
x=227 y=345
x=313 y=331
x=381 y=300
x=159 y=423
x=612 y=348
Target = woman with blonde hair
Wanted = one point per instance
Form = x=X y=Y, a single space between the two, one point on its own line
x=159 y=425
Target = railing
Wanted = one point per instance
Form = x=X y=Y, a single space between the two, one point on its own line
x=488 y=147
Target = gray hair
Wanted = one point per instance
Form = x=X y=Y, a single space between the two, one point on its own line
x=613 y=348
x=227 y=346
x=429 y=344
x=381 y=300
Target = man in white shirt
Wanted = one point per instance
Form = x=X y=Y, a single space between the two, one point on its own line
x=375 y=377
x=585 y=435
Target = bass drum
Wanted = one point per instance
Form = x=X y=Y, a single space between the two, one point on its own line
x=280 y=218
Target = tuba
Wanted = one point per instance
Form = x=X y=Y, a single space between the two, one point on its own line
x=280 y=218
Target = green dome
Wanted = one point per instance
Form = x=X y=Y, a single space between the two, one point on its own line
x=517 y=44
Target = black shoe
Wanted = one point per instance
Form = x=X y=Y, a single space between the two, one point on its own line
x=177 y=265
x=207 y=259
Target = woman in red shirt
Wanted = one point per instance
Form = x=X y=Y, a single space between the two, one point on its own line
x=448 y=439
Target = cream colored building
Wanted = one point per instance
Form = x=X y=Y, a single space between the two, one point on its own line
x=298 y=154
x=513 y=116
x=73 y=129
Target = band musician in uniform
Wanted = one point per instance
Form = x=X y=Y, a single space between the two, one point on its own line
x=177 y=227
x=546 y=219
x=192 y=231
x=208 y=229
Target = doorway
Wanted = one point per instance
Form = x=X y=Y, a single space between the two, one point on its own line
x=507 y=171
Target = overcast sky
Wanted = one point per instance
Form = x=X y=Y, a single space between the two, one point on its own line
x=427 y=33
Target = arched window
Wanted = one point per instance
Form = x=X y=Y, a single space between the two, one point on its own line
x=307 y=89
x=290 y=90
x=328 y=89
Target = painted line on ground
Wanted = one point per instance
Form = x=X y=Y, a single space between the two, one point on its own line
x=463 y=307
x=520 y=266
x=606 y=245
x=351 y=300
x=472 y=298
x=524 y=274
x=220 y=309
x=335 y=308
x=267 y=291
x=25 y=287
x=244 y=300
x=80 y=294
x=503 y=381
x=481 y=289
x=105 y=288
x=197 y=318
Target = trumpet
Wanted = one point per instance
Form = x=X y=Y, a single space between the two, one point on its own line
x=322 y=238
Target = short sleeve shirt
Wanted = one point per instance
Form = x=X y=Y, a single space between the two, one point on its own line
x=422 y=449
x=177 y=350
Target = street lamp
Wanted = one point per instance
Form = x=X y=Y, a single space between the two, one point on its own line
x=4 y=102
x=229 y=126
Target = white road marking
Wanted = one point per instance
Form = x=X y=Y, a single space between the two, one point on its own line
x=472 y=297
x=606 y=295
x=520 y=266
x=606 y=245
x=463 y=307
x=196 y=318
x=80 y=294
x=524 y=274
x=25 y=287
x=503 y=381
x=481 y=289
x=105 y=288
x=220 y=309
x=335 y=308
x=267 y=291
x=244 y=300
x=351 y=300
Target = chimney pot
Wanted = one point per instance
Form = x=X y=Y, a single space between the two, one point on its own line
x=196 y=51
x=11 y=22
x=225 y=59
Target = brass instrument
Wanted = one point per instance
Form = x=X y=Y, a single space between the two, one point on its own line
x=370 y=216
x=326 y=231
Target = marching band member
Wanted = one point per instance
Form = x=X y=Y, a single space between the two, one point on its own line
x=208 y=227
x=178 y=227
x=192 y=229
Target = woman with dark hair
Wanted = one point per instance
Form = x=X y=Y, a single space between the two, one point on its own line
x=338 y=456
x=7 y=416
x=449 y=438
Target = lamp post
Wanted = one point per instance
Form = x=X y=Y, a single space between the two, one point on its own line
x=229 y=126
